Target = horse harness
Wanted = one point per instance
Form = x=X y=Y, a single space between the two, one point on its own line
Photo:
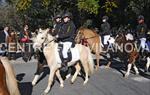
x=60 y=49
x=85 y=42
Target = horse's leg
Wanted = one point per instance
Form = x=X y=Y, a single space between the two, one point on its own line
x=109 y=61
x=128 y=70
x=37 y=74
x=86 y=70
x=97 y=55
x=50 y=79
x=108 y=65
x=147 y=64
x=68 y=73
x=60 y=78
x=136 y=69
x=78 y=68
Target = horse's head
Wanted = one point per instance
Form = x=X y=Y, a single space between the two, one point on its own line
x=79 y=37
x=40 y=38
x=120 y=38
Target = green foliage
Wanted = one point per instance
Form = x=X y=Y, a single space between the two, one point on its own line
x=109 y=5
x=90 y=6
x=22 y=4
x=10 y=17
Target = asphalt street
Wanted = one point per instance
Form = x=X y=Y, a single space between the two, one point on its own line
x=102 y=82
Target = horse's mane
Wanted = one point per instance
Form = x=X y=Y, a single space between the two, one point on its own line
x=10 y=77
x=91 y=31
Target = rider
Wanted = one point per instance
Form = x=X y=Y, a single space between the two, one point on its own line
x=66 y=36
x=57 y=25
x=141 y=31
x=105 y=27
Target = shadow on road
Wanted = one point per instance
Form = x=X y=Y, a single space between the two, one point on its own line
x=24 y=87
x=122 y=66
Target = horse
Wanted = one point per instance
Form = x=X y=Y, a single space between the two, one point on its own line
x=91 y=39
x=50 y=50
x=8 y=82
x=125 y=48
x=147 y=54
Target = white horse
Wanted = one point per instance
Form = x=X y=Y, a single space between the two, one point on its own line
x=50 y=49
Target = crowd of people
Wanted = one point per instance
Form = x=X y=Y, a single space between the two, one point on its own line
x=10 y=38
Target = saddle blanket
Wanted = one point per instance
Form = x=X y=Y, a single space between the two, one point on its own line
x=75 y=55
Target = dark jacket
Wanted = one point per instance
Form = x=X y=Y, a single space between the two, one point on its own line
x=22 y=34
x=105 y=27
x=2 y=37
x=141 y=30
x=67 y=32
x=57 y=28
x=3 y=40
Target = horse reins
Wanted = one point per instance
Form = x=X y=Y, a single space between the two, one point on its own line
x=46 y=43
x=90 y=37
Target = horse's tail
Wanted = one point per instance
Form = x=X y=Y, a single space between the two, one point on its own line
x=10 y=77
x=90 y=61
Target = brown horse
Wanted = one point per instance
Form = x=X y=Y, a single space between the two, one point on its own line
x=125 y=49
x=90 y=38
x=8 y=83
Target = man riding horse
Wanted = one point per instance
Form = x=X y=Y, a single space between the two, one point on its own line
x=65 y=35
x=141 y=33
x=58 y=24
x=105 y=27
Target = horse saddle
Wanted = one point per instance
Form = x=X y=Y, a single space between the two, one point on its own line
x=60 y=50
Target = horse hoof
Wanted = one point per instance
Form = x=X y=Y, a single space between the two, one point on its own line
x=126 y=75
x=85 y=82
x=33 y=84
x=71 y=82
x=137 y=73
x=107 y=67
x=68 y=76
x=46 y=92
x=62 y=85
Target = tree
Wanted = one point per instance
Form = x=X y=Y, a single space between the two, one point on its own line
x=10 y=17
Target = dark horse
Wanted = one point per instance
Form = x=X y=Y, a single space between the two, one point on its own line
x=124 y=47
x=8 y=83
x=39 y=55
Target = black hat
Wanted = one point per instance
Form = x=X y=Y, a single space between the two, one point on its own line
x=68 y=14
x=58 y=16
x=105 y=17
x=140 y=17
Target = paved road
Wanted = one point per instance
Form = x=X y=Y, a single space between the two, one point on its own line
x=102 y=82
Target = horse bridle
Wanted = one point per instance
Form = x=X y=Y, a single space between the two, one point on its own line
x=46 y=42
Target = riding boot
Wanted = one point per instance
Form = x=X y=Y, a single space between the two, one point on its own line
x=65 y=62
x=64 y=66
